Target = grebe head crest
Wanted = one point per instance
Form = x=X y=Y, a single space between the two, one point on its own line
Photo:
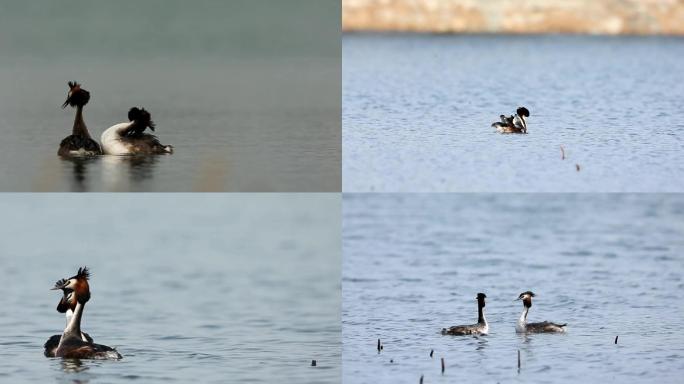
x=481 y=298
x=141 y=116
x=75 y=287
x=526 y=297
x=77 y=96
x=522 y=111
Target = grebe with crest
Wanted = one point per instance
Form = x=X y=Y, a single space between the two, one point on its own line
x=130 y=138
x=73 y=343
x=544 y=327
x=79 y=143
x=513 y=124
x=481 y=328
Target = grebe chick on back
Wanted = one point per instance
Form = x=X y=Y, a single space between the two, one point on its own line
x=481 y=328
x=79 y=143
x=130 y=139
x=513 y=124
x=544 y=327
x=72 y=343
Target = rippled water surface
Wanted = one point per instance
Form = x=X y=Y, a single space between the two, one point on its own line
x=208 y=289
x=607 y=265
x=248 y=94
x=417 y=112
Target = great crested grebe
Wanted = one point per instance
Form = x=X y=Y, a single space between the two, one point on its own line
x=79 y=143
x=66 y=305
x=513 y=124
x=130 y=139
x=544 y=327
x=73 y=343
x=481 y=328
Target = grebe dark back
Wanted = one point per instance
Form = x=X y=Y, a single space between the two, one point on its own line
x=481 y=328
x=73 y=343
x=79 y=143
x=544 y=327
x=130 y=138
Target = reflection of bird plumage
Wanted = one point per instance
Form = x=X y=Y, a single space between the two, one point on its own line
x=73 y=343
x=130 y=138
x=544 y=327
x=79 y=143
x=481 y=328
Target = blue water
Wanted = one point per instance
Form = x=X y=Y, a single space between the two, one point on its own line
x=248 y=94
x=189 y=288
x=608 y=265
x=417 y=111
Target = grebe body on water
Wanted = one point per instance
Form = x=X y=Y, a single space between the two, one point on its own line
x=544 y=327
x=130 y=138
x=513 y=124
x=481 y=328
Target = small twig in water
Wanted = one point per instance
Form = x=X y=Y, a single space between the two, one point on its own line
x=431 y=352
x=421 y=379
x=442 y=365
x=562 y=153
x=616 y=337
x=518 y=360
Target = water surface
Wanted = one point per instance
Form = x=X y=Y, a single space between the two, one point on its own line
x=189 y=288
x=417 y=113
x=607 y=265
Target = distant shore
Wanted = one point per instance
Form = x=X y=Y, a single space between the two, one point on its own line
x=605 y=17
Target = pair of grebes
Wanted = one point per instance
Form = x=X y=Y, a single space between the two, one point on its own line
x=120 y=139
x=74 y=343
x=522 y=326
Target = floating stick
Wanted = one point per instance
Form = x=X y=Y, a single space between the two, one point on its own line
x=442 y=365
x=562 y=153
x=431 y=352
x=616 y=337
x=518 y=360
x=421 y=379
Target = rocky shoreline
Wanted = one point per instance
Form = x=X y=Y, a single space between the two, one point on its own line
x=605 y=17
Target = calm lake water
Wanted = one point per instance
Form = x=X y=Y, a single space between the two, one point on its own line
x=189 y=288
x=247 y=93
x=607 y=265
x=417 y=113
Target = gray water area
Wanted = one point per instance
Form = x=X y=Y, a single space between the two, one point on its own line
x=607 y=265
x=248 y=93
x=189 y=288
x=418 y=109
